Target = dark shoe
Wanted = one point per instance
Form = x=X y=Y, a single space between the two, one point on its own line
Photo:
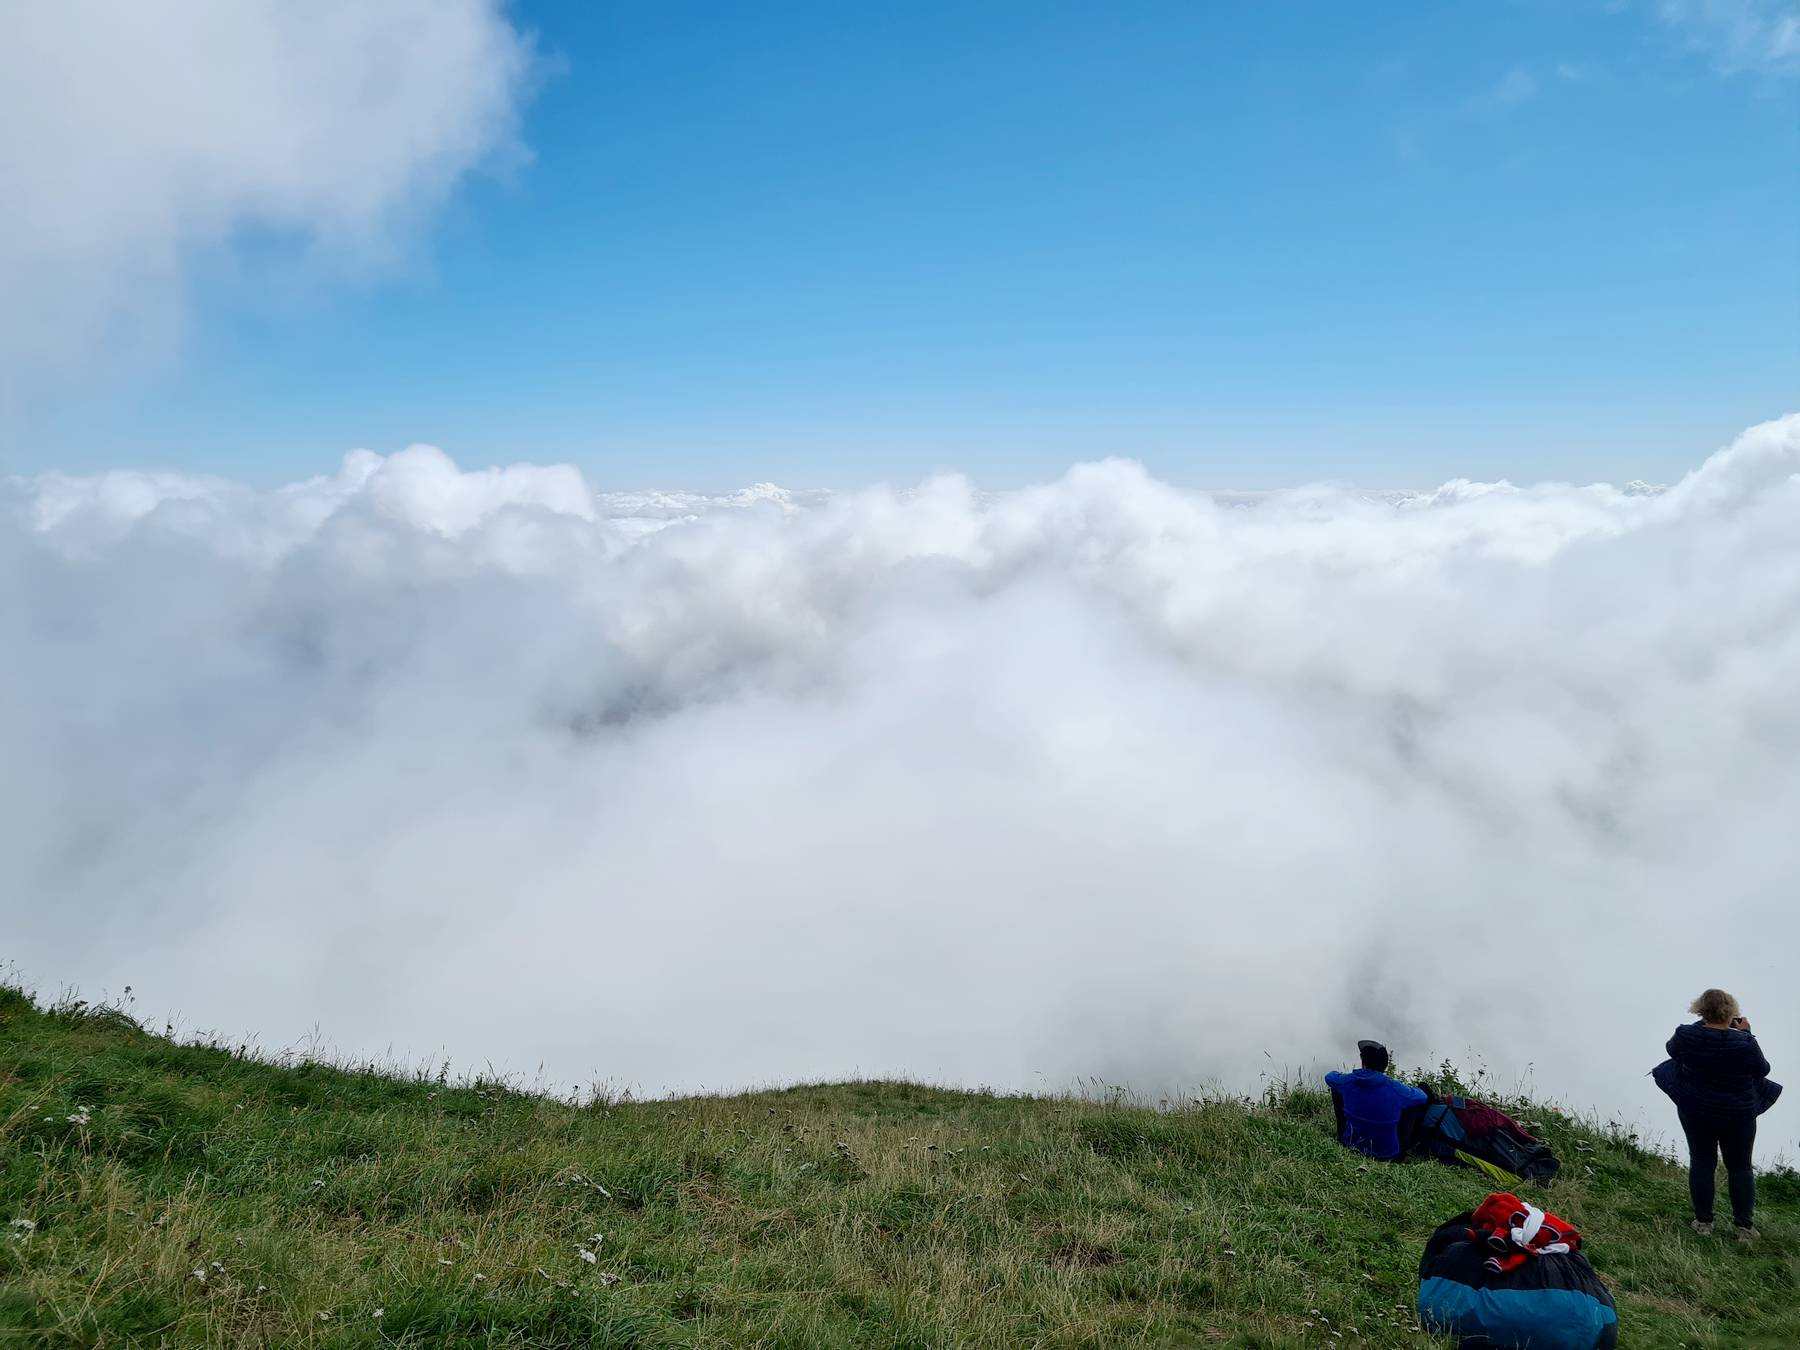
x=1747 y=1232
x=1702 y=1226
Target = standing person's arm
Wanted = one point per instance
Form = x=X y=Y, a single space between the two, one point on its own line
x=1761 y=1060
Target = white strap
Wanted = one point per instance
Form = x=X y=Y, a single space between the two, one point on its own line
x=1525 y=1232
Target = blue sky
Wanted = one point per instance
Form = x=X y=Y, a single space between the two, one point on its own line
x=825 y=244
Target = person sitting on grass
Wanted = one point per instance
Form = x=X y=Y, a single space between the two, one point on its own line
x=1371 y=1106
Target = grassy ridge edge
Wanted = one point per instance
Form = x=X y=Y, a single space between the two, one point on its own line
x=159 y=1193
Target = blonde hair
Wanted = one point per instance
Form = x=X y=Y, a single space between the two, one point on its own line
x=1715 y=1005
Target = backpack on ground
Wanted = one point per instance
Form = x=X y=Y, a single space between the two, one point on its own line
x=1458 y=1130
x=1501 y=1293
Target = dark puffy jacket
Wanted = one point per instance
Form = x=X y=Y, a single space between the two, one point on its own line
x=1719 y=1070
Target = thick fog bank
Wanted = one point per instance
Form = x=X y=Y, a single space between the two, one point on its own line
x=1099 y=778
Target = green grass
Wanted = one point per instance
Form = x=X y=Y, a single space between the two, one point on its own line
x=858 y=1214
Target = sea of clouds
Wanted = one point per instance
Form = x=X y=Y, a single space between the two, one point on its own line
x=1100 y=778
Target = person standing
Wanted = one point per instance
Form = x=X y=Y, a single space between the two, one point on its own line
x=1719 y=1080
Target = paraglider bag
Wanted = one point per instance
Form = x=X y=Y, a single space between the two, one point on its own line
x=1551 y=1302
x=1502 y=1148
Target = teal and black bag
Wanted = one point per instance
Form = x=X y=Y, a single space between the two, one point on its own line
x=1553 y=1302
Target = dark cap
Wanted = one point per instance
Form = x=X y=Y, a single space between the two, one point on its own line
x=1371 y=1045
x=1374 y=1054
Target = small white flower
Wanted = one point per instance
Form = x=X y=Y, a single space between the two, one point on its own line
x=445 y=1261
x=324 y=1316
x=81 y=1116
x=479 y=1275
x=200 y=1274
x=586 y=1255
x=25 y=1225
x=380 y=1313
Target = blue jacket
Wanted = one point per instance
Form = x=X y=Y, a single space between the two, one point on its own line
x=1372 y=1106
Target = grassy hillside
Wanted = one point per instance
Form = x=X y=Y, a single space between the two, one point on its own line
x=179 y=1195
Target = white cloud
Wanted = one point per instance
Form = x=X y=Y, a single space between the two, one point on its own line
x=1740 y=36
x=1517 y=85
x=134 y=135
x=1098 y=777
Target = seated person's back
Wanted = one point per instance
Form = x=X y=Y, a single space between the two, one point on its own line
x=1372 y=1103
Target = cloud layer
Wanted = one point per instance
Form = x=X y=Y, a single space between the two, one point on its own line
x=1740 y=36
x=1099 y=777
x=132 y=136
